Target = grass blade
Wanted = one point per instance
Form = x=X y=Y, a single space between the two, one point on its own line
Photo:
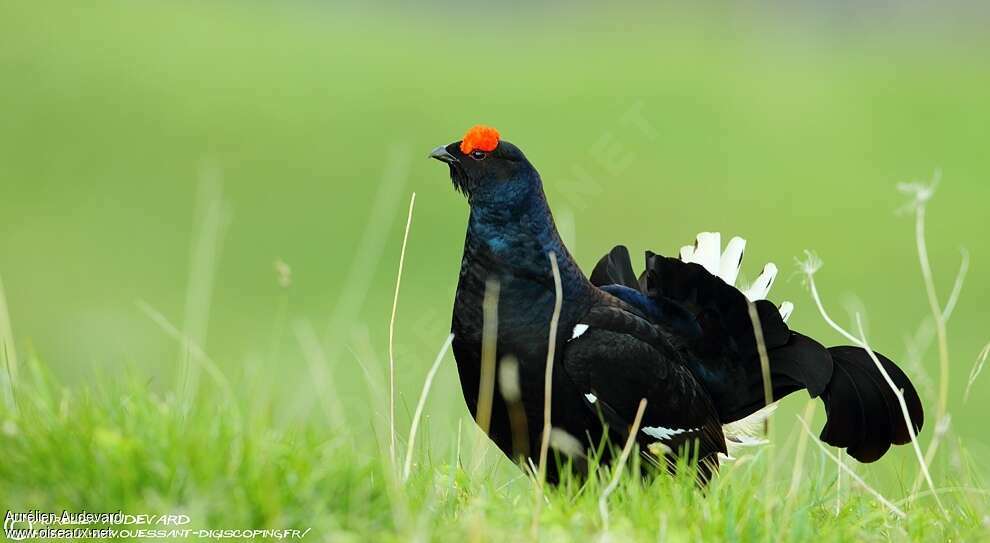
x=8 y=352
x=411 y=446
x=548 y=388
x=391 y=335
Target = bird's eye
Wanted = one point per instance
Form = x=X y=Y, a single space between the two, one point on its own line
x=478 y=155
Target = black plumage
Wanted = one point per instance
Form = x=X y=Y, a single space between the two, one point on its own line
x=677 y=335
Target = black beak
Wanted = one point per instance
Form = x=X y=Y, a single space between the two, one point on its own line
x=441 y=154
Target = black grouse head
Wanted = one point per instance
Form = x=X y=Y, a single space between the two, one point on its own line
x=488 y=170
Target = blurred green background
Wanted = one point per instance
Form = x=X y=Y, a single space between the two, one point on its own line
x=790 y=127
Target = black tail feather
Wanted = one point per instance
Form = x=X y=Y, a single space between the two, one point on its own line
x=615 y=268
x=864 y=414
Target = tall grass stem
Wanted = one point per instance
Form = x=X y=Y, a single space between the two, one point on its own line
x=548 y=387
x=391 y=335
x=411 y=446
x=887 y=503
x=620 y=466
x=8 y=351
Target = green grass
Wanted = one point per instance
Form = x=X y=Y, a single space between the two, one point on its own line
x=119 y=446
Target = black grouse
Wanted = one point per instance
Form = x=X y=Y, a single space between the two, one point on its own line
x=679 y=335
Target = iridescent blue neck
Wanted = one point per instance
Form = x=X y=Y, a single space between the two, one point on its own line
x=518 y=231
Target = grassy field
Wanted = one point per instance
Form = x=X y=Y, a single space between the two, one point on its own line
x=230 y=467
x=202 y=208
